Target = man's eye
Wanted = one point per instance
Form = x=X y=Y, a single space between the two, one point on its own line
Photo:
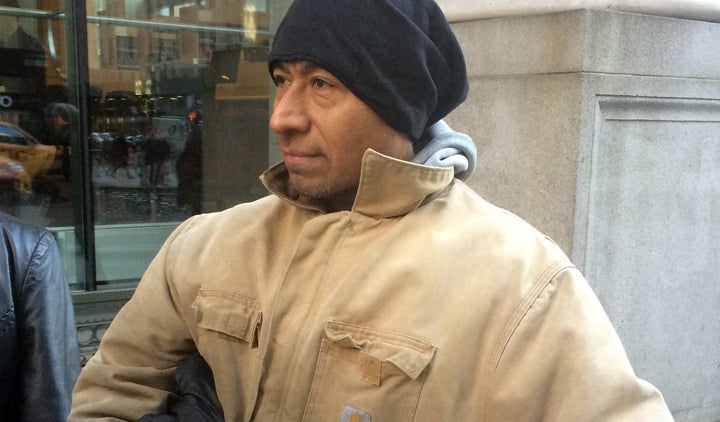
x=279 y=80
x=320 y=83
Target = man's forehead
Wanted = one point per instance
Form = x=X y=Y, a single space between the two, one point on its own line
x=303 y=66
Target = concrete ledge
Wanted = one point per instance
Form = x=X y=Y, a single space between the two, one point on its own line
x=463 y=10
x=591 y=41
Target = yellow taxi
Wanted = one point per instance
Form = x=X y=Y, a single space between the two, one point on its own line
x=19 y=146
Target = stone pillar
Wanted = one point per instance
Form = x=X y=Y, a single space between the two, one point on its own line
x=602 y=128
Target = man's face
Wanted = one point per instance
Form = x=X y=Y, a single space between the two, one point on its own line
x=323 y=130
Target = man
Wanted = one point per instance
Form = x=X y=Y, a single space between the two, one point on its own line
x=39 y=357
x=60 y=116
x=368 y=287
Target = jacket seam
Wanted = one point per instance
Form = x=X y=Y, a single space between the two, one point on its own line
x=35 y=256
x=312 y=311
x=512 y=324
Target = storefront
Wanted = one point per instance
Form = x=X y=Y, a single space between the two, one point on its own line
x=121 y=118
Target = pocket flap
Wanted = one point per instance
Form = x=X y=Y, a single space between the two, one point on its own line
x=408 y=354
x=228 y=313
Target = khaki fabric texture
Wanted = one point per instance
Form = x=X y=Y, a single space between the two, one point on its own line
x=423 y=303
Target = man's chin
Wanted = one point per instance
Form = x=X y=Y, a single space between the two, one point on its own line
x=311 y=193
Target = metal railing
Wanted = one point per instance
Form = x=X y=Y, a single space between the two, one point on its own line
x=138 y=23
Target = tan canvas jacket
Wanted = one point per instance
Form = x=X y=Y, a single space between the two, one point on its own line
x=422 y=303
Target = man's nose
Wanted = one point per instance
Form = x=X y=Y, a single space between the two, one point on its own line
x=290 y=113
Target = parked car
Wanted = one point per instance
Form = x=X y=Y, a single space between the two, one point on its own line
x=21 y=147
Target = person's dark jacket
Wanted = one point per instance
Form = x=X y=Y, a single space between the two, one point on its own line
x=39 y=357
x=196 y=399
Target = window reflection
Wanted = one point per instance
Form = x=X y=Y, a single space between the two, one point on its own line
x=176 y=121
x=34 y=149
x=155 y=157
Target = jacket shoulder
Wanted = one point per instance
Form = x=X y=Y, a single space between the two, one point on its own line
x=22 y=242
x=491 y=227
x=19 y=232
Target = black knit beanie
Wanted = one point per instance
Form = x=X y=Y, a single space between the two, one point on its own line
x=400 y=57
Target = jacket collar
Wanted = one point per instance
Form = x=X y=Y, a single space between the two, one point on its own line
x=388 y=187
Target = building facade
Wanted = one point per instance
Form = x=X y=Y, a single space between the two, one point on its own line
x=597 y=121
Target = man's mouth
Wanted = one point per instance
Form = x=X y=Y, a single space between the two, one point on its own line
x=298 y=158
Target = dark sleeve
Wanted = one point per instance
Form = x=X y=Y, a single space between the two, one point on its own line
x=49 y=357
x=196 y=399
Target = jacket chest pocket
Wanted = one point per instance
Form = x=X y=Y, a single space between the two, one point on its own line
x=363 y=374
x=228 y=316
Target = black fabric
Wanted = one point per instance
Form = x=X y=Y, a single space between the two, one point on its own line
x=39 y=357
x=398 y=56
x=196 y=399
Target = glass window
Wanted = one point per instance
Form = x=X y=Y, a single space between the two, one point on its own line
x=38 y=117
x=121 y=118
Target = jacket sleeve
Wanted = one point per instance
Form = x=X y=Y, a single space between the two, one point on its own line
x=563 y=360
x=50 y=360
x=132 y=373
x=197 y=399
